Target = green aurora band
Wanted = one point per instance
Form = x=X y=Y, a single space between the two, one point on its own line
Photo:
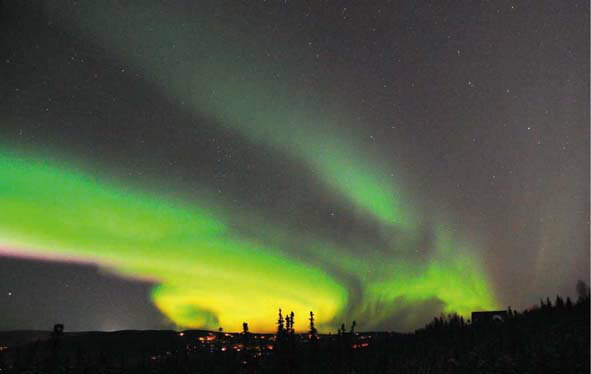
x=204 y=271
x=214 y=72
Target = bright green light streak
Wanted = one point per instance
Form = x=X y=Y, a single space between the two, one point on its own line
x=206 y=274
x=450 y=274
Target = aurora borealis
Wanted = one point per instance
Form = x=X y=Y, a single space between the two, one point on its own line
x=284 y=118
x=237 y=159
x=204 y=270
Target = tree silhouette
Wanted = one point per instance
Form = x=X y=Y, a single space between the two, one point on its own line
x=582 y=290
x=245 y=334
x=559 y=303
x=313 y=334
x=280 y=321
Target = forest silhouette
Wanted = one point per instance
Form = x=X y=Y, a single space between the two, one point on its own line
x=552 y=337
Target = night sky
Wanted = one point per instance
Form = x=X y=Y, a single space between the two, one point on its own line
x=175 y=164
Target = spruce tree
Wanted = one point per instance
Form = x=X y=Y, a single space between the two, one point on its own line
x=313 y=335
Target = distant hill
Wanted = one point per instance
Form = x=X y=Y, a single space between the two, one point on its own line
x=135 y=340
x=21 y=337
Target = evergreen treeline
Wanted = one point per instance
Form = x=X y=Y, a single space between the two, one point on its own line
x=550 y=338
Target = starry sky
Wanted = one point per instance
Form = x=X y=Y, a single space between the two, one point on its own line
x=181 y=164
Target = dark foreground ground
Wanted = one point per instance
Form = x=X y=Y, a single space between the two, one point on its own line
x=552 y=338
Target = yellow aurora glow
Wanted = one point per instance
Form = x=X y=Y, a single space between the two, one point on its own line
x=208 y=276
